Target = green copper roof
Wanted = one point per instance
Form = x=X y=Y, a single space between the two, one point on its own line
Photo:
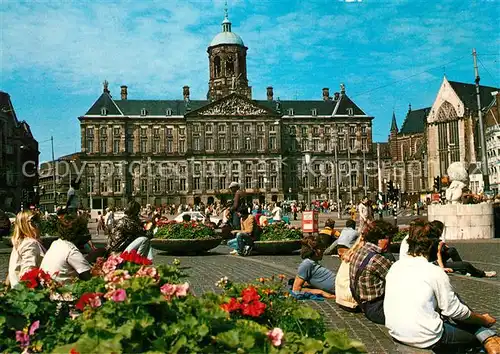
x=415 y=121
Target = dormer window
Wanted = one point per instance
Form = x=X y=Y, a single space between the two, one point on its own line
x=104 y=111
x=143 y=112
x=350 y=111
x=314 y=112
x=290 y=111
x=168 y=112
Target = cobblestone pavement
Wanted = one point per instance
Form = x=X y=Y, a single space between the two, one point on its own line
x=204 y=271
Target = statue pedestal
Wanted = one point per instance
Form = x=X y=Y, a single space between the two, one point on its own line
x=464 y=221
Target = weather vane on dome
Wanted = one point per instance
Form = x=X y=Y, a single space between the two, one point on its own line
x=225 y=9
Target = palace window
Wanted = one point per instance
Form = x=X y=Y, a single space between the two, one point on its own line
x=272 y=143
x=352 y=143
x=342 y=143
x=317 y=182
x=327 y=130
x=143 y=112
x=304 y=130
x=248 y=144
x=260 y=143
x=315 y=131
x=248 y=182
x=222 y=143
x=157 y=186
x=364 y=143
x=222 y=182
x=116 y=131
x=196 y=143
x=170 y=145
x=182 y=146
x=261 y=182
x=304 y=145
x=144 y=185
x=235 y=143
x=103 y=146
x=209 y=145
x=196 y=128
x=182 y=170
x=209 y=183
x=314 y=112
x=169 y=131
x=352 y=130
x=156 y=132
x=208 y=128
x=272 y=128
x=182 y=131
x=274 y=182
x=235 y=179
x=235 y=167
x=363 y=129
x=246 y=128
x=143 y=131
x=260 y=128
x=168 y=112
x=116 y=146
x=90 y=146
x=144 y=146
x=170 y=184
x=316 y=145
x=222 y=128
x=290 y=111
x=104 y=111
x=103 y=132
x=90 y=132
x=197 y=168
x=222 y=167
x=117 y=185
x=156 y=146
x=234 y=128
x=248 y=167
x=196 y=183
x=182 y=184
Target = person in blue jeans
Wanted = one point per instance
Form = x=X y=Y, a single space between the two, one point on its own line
x=311 y=276
x=245 y=238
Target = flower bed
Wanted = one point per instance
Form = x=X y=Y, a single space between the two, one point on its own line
x=185 y=238
x=132 y=306
x=278 y=238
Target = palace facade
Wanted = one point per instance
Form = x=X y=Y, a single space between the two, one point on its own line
x=189 y=151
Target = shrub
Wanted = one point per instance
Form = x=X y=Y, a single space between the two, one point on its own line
x=132 y=306
x=185 y=231
x=280 y=232
x=400 y=235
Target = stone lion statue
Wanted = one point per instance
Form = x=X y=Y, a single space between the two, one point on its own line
x=459 y=180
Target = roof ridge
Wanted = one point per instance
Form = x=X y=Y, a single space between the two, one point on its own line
x=474 y=85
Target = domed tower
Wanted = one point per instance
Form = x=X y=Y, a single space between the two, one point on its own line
x=228 y=64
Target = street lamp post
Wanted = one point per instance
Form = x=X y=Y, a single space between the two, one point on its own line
x=307 y=157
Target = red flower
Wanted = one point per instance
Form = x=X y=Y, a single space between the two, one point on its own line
x=35 y=276
x=73 y=351
x=92 y=299
x=253 y=309
x=136 y=258
x=250 y=294
x=231 y=306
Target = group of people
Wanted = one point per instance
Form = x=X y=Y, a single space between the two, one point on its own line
x=412 y=297
x=70 y=256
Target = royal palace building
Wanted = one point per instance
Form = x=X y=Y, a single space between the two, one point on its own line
x=189 y=151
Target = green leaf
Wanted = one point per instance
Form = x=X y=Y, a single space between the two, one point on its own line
x=230 y=338
x=178 y=345
x=306 y=313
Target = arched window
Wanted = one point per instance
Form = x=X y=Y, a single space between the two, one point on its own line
x=446 y=112
x=230 y=66
x=217 y=66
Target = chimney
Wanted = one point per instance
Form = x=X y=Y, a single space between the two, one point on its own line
x=342 y=89
x=124 y=92
x=105 y=86
x=270 y=93
x=336 y=96
x=326 y=94
x=185 y=93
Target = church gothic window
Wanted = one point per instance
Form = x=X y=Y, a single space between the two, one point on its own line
x=229 y=66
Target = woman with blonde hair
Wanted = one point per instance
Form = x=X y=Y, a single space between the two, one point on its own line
x=27 y=251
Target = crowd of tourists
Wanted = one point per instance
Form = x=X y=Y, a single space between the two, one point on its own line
x=412 y=297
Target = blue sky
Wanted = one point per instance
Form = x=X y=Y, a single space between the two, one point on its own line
x=389 y=53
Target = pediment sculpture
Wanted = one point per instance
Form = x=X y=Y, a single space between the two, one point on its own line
x=233 y=106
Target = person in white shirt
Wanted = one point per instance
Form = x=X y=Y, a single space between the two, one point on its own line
x=420 y=301
x=276 y=213
x=364 y=215
x=27 y=251
x=110 y=220
x=64 y=261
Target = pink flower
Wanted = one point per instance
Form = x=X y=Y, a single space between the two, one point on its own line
x=181 y=290
x=275 y=336
x=119 y=295
x=95 y=301
x=34 y=326
x=145 y=271
x=111 y=263
x=22 y=338
x=168 y=289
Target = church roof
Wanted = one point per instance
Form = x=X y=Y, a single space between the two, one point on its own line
x=414 y=122
x=467 y=94
x=394 y=124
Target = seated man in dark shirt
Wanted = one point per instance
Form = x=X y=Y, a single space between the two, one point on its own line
x=128 y=233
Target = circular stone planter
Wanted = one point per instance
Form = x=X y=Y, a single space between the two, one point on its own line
x=181 y=247
x=46 y=241
x=276 y=247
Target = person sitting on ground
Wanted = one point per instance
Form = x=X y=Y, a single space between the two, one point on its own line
x=64 y=261
x=4 y=224
x=446 y=257
x=311 y=276
x=330 y=231
x=27 y=250
x=343 y=294
x=276 y=212
x=368 y=268
x=346 y=240
x=129 y=234
x=245 y=238
x=420 y=302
